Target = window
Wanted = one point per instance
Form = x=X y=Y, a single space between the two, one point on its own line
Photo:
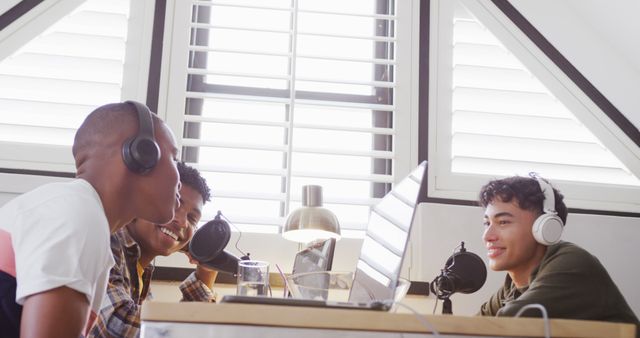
x=281 y=94
x=73 y=63
x=504 y=109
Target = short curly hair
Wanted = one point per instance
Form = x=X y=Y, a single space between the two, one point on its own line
x=525 y=190
x=191 y=176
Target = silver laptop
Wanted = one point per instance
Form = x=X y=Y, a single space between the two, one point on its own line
x=382 y=253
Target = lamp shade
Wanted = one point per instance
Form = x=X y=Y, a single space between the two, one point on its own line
x=311 y=222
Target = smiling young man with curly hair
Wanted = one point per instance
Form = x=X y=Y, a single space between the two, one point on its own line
x=563 y=277
x=134 y=248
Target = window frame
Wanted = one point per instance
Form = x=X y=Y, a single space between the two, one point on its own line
x=383 y=96
x=462 y=188
x=32 y=22
x=57 y=160
x=174 y=78
x=269 y=246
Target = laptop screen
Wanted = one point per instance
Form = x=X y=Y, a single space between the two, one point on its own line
x=387 y=238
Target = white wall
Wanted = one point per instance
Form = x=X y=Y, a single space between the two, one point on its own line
x=440 y=228
x=609 y=238
x=5 y=197
x=600 y=38
x=5 y=5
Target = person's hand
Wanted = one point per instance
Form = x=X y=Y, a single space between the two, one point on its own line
x=203 y=273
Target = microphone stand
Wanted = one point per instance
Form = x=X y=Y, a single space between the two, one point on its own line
x=443 y=294
x=447 y=307
x=463 y=277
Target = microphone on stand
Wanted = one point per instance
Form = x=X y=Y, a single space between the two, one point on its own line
x=208 y=243
x=464 y=272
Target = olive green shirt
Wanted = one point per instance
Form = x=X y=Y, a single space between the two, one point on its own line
x=571 y=284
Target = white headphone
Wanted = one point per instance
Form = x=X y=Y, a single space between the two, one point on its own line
x=547 y=228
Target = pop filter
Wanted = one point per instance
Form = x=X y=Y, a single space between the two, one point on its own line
x=464 y=272
x=208 y=243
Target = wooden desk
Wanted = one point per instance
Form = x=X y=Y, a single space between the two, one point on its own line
x=172 y=320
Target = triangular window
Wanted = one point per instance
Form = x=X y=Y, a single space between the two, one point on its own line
x=52 y=82
x=501 y=114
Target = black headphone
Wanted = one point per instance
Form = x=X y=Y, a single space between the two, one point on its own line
x=547 y=228
x=141 y=152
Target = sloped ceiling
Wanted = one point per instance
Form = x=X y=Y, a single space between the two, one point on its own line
x=600 y=38
x=5 y=5
x=615 y=21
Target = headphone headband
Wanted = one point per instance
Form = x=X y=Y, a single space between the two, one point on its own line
x=549 y=204
x=141 y=152
x=144 y=119
x=547 y=228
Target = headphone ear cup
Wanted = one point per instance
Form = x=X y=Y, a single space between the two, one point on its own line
x=145 y=153
x=127 y=157
x=547 y=229
x=140 y=154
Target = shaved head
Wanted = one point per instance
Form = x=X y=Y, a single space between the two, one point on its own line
x=125 y=193
x=105 y=130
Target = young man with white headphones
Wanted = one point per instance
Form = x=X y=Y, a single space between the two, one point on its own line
x=524 y=218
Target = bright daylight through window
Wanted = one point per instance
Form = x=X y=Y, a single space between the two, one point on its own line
x=506 y=121
x=499 y=106
x=51 y=83
x=282 y=94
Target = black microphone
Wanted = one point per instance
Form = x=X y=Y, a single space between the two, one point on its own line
x=464 y=272
x=208 y=243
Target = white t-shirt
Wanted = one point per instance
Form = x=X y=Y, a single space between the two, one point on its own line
x=60 y=237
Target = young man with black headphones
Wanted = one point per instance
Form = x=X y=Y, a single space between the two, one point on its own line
x=524 y=218
x=54 y=240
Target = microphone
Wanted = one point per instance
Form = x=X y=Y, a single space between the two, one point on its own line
x=208 y=243
x=464 y=272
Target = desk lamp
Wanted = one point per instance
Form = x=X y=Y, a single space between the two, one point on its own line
x=311 y=221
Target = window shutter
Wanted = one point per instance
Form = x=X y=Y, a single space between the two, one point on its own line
x=281 y=94
x=498 y=107
x=506 y=122
x=49 y=86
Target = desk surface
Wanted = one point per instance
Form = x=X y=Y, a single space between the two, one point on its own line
x=362 y=320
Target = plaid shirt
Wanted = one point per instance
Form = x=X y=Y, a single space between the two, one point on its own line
x=120 y=313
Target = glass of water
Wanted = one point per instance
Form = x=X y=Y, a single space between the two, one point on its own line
x=253 y=278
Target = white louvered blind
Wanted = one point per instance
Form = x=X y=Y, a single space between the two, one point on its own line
x=49 y=86
x=286 y=93
x=505 y=122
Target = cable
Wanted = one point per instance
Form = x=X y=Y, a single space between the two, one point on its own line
x=239 y=234
x=545 y=316
x=453 y=255
x=443 y=278
x=420 y=317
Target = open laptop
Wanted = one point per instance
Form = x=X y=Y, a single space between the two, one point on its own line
x=316 y=257
x=382 y=253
